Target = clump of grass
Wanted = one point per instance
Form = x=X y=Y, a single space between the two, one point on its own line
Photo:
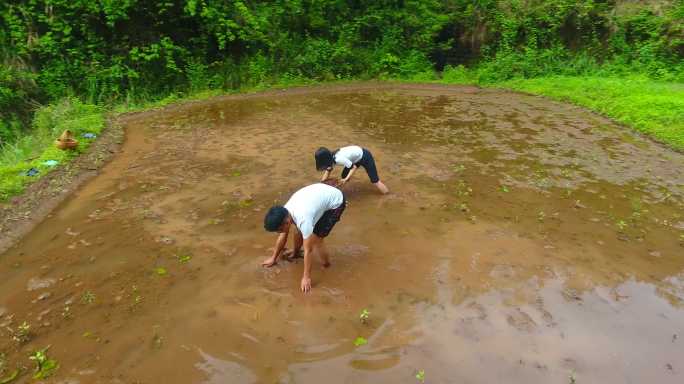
x=22 y=334
x=364 y=316
x=360 y=341
x=420 y=375
x=45 y=366
x=88 y=298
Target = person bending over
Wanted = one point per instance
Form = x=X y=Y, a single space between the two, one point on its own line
x=350 y=157
x=314 y=210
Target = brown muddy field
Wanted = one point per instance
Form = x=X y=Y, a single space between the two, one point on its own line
x=524 y=241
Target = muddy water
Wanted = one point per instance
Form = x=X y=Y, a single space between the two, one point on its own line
x=524 y=241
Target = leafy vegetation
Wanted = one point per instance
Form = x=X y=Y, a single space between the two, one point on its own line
x=45 y=366
x=36 y=151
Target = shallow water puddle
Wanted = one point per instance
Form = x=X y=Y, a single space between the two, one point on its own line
x=523 y=241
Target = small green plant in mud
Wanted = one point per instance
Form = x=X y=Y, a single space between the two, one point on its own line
x=160 y=271
x=364 y=316
x=541 y=216
x=184 y=257
x=420 y=375
x=3 y=368
x=45 y=366
x=360 y=341
x=88 y=297
x=572 y=378
x=621 y=224
x=66 y=312
x=504 y=189
x=22 y=334
x=463 y=207
x=459 y=168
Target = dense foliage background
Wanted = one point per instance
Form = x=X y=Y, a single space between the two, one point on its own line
x=116 y=50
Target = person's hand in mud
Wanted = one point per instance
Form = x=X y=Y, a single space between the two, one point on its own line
x=279 y=247
x=326 y=175
x=306 y=284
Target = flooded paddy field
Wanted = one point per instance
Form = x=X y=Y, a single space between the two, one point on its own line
x=523 y=241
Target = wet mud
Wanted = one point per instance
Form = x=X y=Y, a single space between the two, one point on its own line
x=523 y=241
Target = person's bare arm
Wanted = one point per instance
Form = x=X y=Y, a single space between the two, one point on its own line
x=326 y=175
x=349 y=176
x=279 y=245
x=309 y=244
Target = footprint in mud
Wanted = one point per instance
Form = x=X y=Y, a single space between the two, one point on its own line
x=352 y=250
x=476 y=312
x=502 y=271
x=546 y=315
x=521 y=321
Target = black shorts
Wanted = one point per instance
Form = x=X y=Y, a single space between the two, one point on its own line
x=330 y=217
x=368 y=163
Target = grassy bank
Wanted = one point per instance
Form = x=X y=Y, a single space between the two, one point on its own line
x=33 y=156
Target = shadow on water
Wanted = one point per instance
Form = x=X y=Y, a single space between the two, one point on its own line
x=523 y=241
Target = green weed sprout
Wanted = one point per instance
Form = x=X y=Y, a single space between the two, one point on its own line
x=360 y=341
x=364 y=316
x=45 y=366
x=421 y=376
x=23 y=333
x=621 y=225
x=88 y=298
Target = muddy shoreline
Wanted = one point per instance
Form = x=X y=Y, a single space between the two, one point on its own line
x=22 y=213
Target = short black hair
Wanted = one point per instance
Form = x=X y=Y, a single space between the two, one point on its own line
x=324 y=158
x=274 y=218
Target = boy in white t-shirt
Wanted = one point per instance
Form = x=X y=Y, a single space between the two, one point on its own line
x=314 y=210
x=351 y=158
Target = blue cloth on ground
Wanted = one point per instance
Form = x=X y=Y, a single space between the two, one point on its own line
x=89 y=135
x=31 y=172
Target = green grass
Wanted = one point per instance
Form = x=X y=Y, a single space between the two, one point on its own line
x=33 y=150
x=651 y=107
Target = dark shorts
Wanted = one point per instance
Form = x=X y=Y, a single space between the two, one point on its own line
x=326 y=223
x=368 y=163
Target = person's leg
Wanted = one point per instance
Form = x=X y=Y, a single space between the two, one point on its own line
x=322 y=229
x=381 y=187
x=322 y=253
x=297 y=250
x=368 y=163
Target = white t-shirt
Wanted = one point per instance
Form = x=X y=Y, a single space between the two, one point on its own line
x=348 y=156
x=307 y=205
